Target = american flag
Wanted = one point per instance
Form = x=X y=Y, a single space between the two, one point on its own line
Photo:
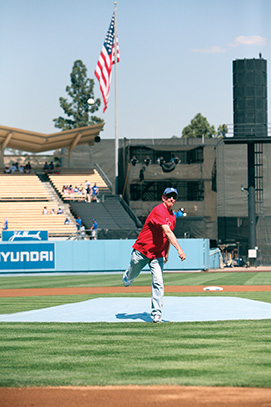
x=107 y=59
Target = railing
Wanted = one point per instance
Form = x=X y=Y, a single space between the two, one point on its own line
x=82 y=234
x=130 y=213
x=248 y=130
x=86 y=234
x=104 y=176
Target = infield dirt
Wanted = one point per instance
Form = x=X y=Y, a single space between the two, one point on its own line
x=135 y=396
x=29 y=292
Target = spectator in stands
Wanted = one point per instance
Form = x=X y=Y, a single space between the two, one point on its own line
x=76 y=189
x=227 y=259
x=141 y=173
x=66 y=221
x=13 y=168
x=93 y=229
x=95 y=193
x=174 y=158
x=87 y=183
x=81 y=189
x=237 y=261
x=181 y=212
x=59 y=211
x=51 y=167
x=134 y=160
x=82 y=232
x=65 y=190
x=45 y=210
x=5 y=224
x=235 y=258
x=21 y=168
x=28 y=168
x=147 y=160
x=221 y=262
x=78 y=223
x=53 y=212
x=46 y=168
x=7 y=169
x=57 y=169
x=88 y=193
x=160 y=160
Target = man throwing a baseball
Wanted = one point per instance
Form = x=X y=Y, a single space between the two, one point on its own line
x=152 y=247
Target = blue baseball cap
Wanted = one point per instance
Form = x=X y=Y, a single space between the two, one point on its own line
x=168 y=191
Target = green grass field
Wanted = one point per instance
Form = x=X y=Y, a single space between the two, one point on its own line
x=113 y=280
x=224 y=353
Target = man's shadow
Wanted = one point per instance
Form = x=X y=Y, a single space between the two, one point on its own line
x=144 y=316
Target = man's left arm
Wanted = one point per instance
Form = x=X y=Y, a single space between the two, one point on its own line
x=167 y=246
x=173 y=240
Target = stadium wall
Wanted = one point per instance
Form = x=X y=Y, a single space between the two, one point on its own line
x=95 y=256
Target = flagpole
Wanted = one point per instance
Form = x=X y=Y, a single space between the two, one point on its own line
x=116 y=106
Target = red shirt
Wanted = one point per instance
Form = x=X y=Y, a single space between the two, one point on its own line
x=151 y=240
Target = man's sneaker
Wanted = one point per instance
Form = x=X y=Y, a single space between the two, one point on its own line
x=126 y=282
x=157 y=318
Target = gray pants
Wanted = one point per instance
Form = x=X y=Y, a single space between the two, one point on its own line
x=137 y=263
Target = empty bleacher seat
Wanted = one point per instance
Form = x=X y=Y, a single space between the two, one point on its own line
x=22 y=187
x=22 y=199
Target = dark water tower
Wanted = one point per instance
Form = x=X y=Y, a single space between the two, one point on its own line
x=250 y=128
x=250 y=98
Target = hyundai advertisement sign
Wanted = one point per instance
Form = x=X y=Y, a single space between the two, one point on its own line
x=27 y=257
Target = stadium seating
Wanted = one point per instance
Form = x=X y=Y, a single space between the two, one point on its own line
x=78 y=180
x=113 y=220
x=28 y=216
x=22 y=187
x=22 y=199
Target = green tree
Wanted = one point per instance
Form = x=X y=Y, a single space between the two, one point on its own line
x=79 y=112
x=222 y=130
x=199 y=126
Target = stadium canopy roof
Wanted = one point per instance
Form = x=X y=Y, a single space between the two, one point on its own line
x=34 y=142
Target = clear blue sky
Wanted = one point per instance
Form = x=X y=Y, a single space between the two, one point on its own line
x=175 y=59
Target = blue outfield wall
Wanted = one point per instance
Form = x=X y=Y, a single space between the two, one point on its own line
x=96 y=256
